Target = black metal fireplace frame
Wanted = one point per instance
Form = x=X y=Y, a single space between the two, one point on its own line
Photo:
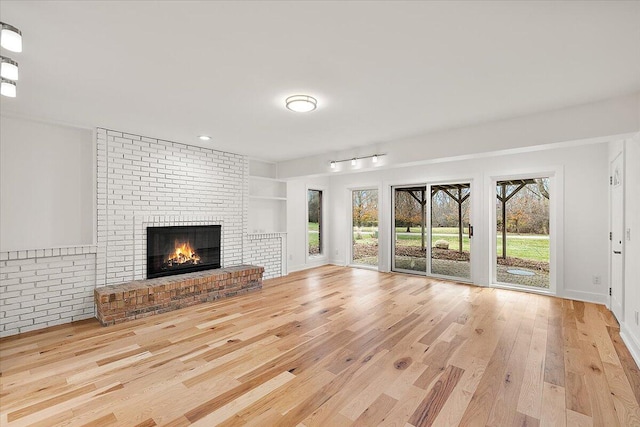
x=152 y=232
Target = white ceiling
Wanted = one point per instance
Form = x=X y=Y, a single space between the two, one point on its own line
x=380 y=70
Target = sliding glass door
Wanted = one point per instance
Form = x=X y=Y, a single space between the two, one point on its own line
x=410 y=236
x=450 y=230
x=432 y=231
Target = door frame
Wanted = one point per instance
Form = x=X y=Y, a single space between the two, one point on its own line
x=619 y=153
x=556 y=230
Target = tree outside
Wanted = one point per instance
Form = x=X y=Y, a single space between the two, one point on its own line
x=522 y=231
x=364 y=219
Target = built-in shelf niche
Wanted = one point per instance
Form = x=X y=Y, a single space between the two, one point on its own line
x=267 y=198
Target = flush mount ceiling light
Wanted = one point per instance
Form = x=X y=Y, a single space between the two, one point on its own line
x=301 y=103
x=8 y=68
x=204 y=138
x=10 y=37
x=8 y=88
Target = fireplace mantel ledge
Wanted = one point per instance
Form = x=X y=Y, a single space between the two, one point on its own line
x=272 y=235
x=47 y=252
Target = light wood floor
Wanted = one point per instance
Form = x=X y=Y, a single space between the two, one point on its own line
x=329 y=347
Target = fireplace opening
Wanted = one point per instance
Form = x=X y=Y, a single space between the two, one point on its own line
x=182 y=249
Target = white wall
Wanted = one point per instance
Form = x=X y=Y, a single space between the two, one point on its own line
x=599 y=119
x=585 y=174
x=629 y=327
x=47 y=185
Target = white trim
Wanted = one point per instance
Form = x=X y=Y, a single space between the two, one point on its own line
x=593 y=297
x=633 y=345
x=313 y=264
x=612 y=158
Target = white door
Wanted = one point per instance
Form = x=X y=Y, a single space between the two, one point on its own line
x=617 y=236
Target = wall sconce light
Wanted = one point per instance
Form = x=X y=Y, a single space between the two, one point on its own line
x=354 y=161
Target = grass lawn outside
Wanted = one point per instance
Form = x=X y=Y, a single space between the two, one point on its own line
x=528 y=247
x=314 y=238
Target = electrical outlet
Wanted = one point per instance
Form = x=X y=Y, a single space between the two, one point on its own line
x=337 y=252
x=628 y=234
x=597 y=280
x=637 y=319
x=290 y=257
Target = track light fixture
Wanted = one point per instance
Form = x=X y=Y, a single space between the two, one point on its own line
x=10 y=39
x=8 y=68
x=8 y=88
x=354 y=160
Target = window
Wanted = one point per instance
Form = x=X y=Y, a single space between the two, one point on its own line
x=522 y=232
x=364 y=222
x=314 y=221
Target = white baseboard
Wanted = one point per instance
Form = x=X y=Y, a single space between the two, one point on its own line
x=584 y=296
x=314 y=264
x=632 y=342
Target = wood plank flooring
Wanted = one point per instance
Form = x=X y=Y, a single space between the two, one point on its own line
x=332 y=346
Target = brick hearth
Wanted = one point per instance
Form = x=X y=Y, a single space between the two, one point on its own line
x=142 y=298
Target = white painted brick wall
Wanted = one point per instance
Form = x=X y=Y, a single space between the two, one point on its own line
x=267 y=251
x=175 y=184
x=46 y=287
x=141 y=177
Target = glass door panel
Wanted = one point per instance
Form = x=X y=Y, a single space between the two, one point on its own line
x=450 y=230
x=364 y=231
x=522 y=232
x=410 y=237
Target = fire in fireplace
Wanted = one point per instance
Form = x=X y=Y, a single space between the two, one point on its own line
x=182 y=249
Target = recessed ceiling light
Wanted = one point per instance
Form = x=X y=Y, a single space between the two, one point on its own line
x=204 y=138
x=301 y=103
